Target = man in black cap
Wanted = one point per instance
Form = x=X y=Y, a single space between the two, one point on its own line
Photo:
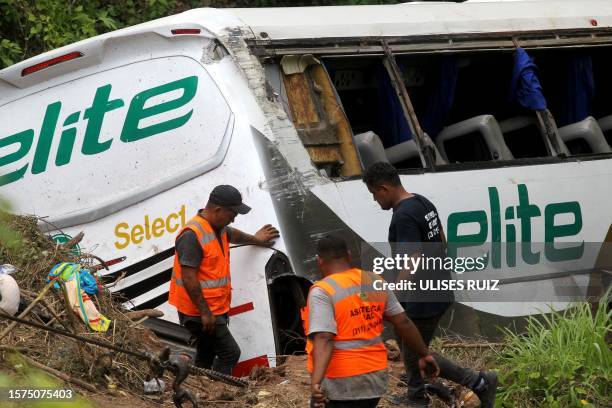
x=200 y=287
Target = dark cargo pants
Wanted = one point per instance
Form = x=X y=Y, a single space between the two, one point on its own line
x=448 y=369
x=217 y=350
x=366 y=403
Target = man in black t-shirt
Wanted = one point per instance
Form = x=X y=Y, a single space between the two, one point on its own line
x=416 y=231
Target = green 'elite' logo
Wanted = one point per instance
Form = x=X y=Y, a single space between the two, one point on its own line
x=527 y=214
x=19 y=145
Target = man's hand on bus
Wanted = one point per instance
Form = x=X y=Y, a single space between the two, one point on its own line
x=266 y=235
x=208 y=321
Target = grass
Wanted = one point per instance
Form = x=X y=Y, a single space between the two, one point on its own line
x=562 y=360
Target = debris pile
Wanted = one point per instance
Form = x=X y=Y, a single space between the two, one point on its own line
x=92 y=367
x=120 y=379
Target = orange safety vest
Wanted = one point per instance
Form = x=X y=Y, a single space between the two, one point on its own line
x=213 y=273
x=359 y=310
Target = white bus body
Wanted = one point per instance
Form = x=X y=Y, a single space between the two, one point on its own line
x=123 y=136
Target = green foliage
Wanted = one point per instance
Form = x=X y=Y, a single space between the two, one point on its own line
x=10 y=52
x=563 y=360
x=30 y=27
x=10 y=240
x=33 y=378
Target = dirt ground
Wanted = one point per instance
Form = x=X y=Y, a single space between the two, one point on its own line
x=285 y=386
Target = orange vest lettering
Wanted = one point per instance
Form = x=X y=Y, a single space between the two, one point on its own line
x=213 y=273
x=359 y=311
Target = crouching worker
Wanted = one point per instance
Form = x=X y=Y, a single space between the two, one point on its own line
x=343 y=319
x=200 y=287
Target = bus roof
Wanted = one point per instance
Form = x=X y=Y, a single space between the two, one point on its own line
x=295 y=23
x=425 y=18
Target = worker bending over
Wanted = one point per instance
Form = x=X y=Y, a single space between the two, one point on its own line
x=416 y=229
x=343 y=319
x=200 y=287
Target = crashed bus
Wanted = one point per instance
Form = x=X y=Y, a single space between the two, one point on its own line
x=123 y=136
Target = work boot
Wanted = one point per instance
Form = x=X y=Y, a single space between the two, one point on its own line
x=437 y=388
x=486 y=388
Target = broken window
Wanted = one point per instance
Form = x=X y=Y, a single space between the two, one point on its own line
x=465 y=104
x=318 y=117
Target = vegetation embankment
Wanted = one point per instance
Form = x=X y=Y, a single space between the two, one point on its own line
x=563 y=359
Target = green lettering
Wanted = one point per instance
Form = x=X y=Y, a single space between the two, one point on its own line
x=100 y=106
x=495 y=227
x=43 y=147
x=24 y=139
x=455 y=240
x=131 y=132
x=510 y=239
x=567 y=230
x=64 y=151
x=525 y=211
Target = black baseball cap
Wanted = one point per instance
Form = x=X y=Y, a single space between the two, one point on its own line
x=229 y=197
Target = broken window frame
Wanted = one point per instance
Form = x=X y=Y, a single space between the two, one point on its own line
x=389 y=47
x=438 y=43
x=397 y=81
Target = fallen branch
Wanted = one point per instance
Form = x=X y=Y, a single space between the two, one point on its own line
x=139 y=314
x=73 y=241
x=471 y=345
x=13 y=348
x=115 y=282
x=137 y=322
x=60 y=375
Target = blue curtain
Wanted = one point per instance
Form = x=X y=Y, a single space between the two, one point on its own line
x=441 y=98
x=526 y=89
x=394 y=127
x=580 y=90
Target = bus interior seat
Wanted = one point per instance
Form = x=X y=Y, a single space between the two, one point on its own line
x=524 y=137
x=408 y=150
x=605 y=124
x=370 y=148
x=475 y=139
x=584 y=137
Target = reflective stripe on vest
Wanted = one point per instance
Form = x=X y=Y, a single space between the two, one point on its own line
x=341 y=293
x=212 y=273
x=206 y=237
x=355 y=344
x=358 y=346
x=205 y=284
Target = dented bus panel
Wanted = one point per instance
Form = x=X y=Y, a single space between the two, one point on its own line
x=125 y=140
